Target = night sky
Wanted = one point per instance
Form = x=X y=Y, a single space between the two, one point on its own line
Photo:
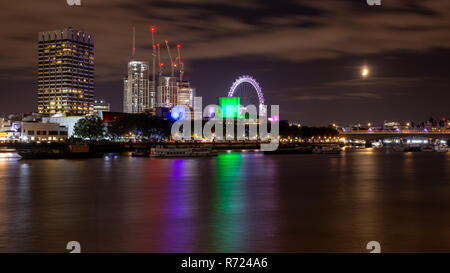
x=306 y=55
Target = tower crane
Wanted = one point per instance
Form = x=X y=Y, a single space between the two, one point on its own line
x=172 y=65
x=153 y=29
x=133 y=51
x=180 y=63
x=160 y=64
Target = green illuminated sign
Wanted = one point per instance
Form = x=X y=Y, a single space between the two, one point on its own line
x=230 y=107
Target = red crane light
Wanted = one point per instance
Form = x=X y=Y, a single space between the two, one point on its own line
x=152 y=29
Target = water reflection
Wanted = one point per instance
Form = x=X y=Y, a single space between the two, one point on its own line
x=179 y=208
x=367 y=214
x=229 y=203
x=236 y=202
x=4 y=201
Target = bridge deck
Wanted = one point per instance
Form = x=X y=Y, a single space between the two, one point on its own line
x=366 y=135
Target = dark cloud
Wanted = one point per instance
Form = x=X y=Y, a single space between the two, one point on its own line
x=379 y=81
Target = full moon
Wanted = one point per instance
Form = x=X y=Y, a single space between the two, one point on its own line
x=365 y=72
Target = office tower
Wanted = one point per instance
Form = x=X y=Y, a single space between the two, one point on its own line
x=166 y=95
x=126 y=103
x=136 y=88
x=185 y=94
x=152 y=96
x=66 y=72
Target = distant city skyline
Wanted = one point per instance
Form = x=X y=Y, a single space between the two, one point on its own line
x=306 y=55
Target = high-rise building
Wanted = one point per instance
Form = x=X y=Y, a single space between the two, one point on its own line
x=167 y=92
x=136 y=88
x=185 y=94
x=126 y=104
x=66 y=72
x=101 y=106
x=152 y=96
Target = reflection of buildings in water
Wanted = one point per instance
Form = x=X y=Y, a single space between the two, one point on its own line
x=447 y=170
x=4 y=208
x=366 y=189
x=179 y=208
x=14 y=221
x=357 y=177
x=408 y=166
x=228 y=204
x=241 y=219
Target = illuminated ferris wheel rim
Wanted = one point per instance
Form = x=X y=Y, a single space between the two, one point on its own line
x=250 y=80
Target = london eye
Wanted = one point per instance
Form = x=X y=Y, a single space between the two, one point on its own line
x=248 y=90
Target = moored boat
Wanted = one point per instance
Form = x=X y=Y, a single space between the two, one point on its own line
x=407 y=148
x=399 y=148
x=7 y=150
x=377 y=145
x=182 y=151
x=354 y=148
x=427 y=148
x=291 y=150
x=441 y=148
x=70 y=152
x=329 y=149
x=140 y=153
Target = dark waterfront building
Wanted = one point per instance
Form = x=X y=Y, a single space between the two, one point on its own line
x=66 y=72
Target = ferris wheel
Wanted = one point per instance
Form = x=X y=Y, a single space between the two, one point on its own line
x=249 y=91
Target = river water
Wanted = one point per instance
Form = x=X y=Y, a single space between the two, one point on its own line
x=236 y=202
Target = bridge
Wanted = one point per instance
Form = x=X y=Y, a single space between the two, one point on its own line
x=386 y=134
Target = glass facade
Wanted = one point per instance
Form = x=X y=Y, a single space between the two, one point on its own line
x=136 y=88
x=167 y=95
x=185 y=95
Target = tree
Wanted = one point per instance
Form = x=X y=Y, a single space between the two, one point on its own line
x=90 y=127
x=142 y=126
x=287 y=130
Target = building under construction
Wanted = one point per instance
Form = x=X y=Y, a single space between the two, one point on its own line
x=136 y=88
x=185 y=94
x=146 y=89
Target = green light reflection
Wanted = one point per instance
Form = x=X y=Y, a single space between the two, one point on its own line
x=229 y=203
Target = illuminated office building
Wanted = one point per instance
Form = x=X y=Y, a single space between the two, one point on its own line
x=65 y=72
x=136 y=88
x=167 y=92
x=185 y=94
